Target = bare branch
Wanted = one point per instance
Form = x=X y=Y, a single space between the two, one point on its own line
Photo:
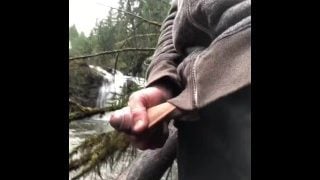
x=136 y=36
x=131 y=14
x=79 y=106
x=89 y=112
x=111 y=52
x=123 y=44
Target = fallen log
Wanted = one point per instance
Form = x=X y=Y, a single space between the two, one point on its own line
x=152 y=164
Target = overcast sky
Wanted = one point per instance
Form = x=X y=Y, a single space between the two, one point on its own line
x=85 y=13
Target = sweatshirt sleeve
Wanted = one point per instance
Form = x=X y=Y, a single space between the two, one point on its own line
x=163 y=67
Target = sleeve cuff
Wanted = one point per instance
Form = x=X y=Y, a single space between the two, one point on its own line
x=165 y=74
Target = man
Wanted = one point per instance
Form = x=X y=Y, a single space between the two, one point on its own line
x=202 y=65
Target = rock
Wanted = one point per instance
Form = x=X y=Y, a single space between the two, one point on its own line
x=87 y=81
x=84 y=84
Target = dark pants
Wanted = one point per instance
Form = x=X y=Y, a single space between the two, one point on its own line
x=218 y=146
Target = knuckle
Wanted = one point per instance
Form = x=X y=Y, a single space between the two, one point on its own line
x=134 y=96
x=138 y=97
x=136 y=112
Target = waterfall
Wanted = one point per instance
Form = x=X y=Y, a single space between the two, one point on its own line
x=112 y=86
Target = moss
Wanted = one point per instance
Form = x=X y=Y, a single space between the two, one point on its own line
x=98 y=149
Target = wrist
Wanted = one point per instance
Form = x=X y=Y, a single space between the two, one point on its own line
x=166 y=85
x=164 y=90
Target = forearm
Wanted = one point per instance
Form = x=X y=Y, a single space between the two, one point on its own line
x=162 y=71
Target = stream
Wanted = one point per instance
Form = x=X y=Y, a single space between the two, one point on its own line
x=81 y=129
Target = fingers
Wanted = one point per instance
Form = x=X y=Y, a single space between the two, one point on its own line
x=133 y=119
x=138 y=105
x=140 y=120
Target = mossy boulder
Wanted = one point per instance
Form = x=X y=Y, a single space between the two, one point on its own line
x=84 y=84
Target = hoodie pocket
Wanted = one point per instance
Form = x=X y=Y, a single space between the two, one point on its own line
x=184 y=69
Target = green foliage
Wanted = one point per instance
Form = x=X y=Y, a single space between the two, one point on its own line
x=120 y=30
x=106 y=147
x=73 y=33
x=79 y=43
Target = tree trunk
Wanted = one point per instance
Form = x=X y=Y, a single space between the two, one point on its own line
x=152 y=164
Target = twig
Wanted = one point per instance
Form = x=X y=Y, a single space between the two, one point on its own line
x=123 y=44
x=89 y=112
x=111 y=52
x=136 y=36
x=78 y=105
x=129 y=13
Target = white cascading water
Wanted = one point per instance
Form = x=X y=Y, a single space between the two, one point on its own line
x=80 y=130
x=112 y=86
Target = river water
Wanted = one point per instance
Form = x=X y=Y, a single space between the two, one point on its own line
x=80 y=130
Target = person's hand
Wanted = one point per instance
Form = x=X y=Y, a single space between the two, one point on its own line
x=133 y=119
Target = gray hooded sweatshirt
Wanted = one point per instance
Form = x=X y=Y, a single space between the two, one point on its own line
x=204 y=56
